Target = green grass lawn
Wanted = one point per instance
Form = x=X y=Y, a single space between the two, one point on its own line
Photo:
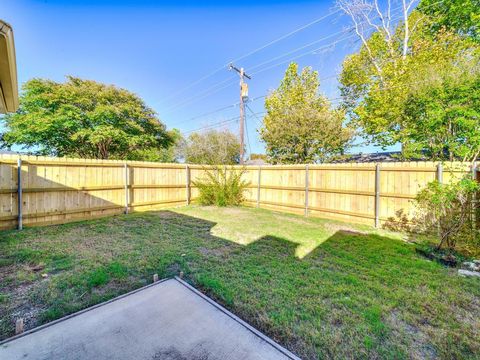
x=323 y=289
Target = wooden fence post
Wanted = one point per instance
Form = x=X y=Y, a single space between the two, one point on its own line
x=258 y=185
x=377 y=195
x=306 y=190
x=19 y=326
x=127 y=193
x=19 y=194
x=187 y=185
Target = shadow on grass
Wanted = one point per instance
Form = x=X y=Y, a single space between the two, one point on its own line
x=353 y=293
x=359 y=241
x=366 y=293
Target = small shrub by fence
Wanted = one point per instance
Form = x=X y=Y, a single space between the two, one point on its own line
x=41 y=190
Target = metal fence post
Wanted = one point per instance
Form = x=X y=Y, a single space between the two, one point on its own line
x=440 y=180
x=440 y=173
x=475 y=210
x=127 y=193
x=187 y=185
x=377 y=195
x=306 y=190
x=258 y=185
x=19 y=194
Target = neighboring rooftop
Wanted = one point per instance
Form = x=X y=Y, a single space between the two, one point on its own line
x=256 y=162
x=7 y=152
x=387 y=156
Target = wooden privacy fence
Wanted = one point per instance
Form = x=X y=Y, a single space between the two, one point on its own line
x=41 y=190
x=370 y=193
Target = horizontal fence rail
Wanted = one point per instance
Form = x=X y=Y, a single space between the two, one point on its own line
x=42 y=190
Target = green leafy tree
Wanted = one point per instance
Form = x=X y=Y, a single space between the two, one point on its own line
x=212 y=148
x=381 y=81
x=300 y=126
x=443 y=120
x=461 y=16
x=170 y=154
x=83 y=118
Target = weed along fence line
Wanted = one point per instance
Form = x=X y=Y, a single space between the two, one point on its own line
x=42 y=190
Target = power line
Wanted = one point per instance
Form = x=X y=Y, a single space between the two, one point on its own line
x=287 y=35
x=218 y=124
x=194 y=83
x=218 y=110
x=212 y=112
x=310 y=52
x=255 y=115
x=303 y=47
x=258 y=97
x=312 y=43
x=237 y=104
x=236 y=118
x=207 y=91
x=306 y=26
x=214 y=89
x=202 y=97
x=253 y=52
x=329 y=99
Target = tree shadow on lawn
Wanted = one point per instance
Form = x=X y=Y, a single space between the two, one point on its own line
x=354 y=295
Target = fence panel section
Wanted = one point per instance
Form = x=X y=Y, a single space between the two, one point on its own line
x=57 y=190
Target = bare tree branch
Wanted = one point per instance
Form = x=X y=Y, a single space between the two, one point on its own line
x=406 y=34
x=356 y=10
x=370 y=12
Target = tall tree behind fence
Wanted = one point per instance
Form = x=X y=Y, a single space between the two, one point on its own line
x=54 y=190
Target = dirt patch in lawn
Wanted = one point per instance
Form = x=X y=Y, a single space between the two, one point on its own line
x=23 y=307
x=469 y=317
x=20 y=303
x=419 y=346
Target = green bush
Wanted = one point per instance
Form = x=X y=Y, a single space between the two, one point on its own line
x=221 y=187
x=449 y=211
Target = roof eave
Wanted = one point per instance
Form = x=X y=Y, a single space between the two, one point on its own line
x=8 y=70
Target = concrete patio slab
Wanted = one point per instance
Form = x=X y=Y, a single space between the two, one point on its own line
x=166 y=320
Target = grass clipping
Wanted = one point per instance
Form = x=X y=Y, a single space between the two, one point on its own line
x=221 y=187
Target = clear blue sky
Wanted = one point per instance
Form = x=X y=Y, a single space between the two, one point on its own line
x=157 y=48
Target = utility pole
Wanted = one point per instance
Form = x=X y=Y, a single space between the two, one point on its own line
x=243 y=99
